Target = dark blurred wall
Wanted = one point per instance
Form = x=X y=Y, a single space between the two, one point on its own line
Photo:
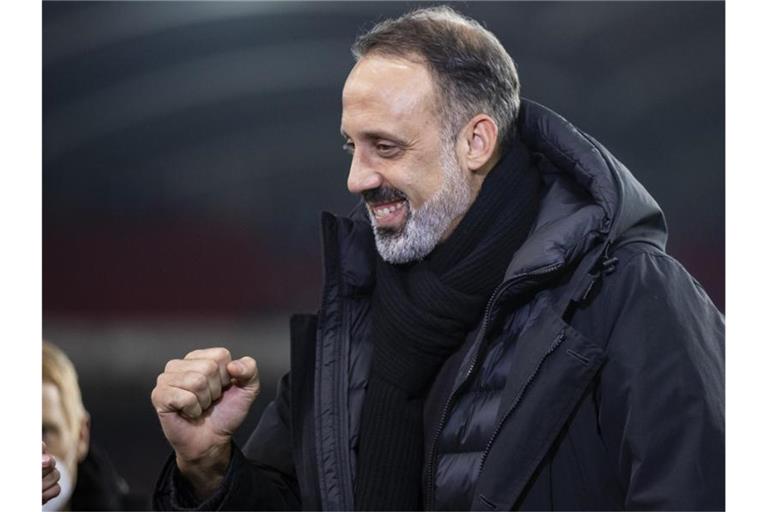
x=189 y=147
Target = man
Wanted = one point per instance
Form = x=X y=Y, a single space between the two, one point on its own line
x=500 y=326
x=75 y=475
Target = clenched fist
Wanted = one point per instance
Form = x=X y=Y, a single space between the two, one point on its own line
x=201 y=400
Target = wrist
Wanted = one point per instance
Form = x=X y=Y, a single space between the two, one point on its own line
x=205 y=473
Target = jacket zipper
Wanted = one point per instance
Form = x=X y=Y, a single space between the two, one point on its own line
x=556 y=343
x=429 y=502
x=347 y=490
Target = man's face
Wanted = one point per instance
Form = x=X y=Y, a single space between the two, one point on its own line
x=408 y=175
x=61 y=441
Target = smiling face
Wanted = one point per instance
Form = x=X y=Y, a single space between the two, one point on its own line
x=409 y=176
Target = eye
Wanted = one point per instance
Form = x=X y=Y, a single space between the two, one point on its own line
x=349 y=147
x=386 y=150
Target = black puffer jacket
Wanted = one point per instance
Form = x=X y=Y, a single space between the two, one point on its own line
x=594 y=381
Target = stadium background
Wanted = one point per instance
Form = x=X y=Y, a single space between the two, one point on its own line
x=188 y=148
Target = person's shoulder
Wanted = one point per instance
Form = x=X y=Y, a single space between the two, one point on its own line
x=634 y=255
x=652 y=302
x=644 y=269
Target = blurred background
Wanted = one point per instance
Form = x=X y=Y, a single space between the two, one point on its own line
x=188 y=148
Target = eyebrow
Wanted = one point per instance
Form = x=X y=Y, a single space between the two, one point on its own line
x=380 y=134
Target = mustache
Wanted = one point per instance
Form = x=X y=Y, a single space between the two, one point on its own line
x=383 y=195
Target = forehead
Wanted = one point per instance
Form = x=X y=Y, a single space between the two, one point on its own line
x=388 y=91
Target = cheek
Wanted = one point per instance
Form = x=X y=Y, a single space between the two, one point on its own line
x=62 y=447
x=428 y=183
x=420 y=180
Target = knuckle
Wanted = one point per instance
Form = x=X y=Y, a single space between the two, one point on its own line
x=170 y=365
x=222 y=353
x=153 y=396
x=187 y=399
x=157 y=397
x=211 y=367
x=178 y=402
x=196 y=381
x=192 y=408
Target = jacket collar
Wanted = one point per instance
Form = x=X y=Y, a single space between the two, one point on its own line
x=590 y=196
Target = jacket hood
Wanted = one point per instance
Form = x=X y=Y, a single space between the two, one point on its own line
x=589 y=198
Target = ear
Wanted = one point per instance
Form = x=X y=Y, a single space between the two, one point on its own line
x=84 y=437
x=479 y=138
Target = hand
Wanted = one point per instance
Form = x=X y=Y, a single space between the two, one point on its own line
x=201 y=400
x=51 y=487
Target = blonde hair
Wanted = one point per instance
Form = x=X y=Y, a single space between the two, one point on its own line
x=59 y=371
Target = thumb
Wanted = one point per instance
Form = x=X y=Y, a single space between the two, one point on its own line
x=245 y=373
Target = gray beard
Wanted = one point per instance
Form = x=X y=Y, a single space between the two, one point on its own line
x=425 y=226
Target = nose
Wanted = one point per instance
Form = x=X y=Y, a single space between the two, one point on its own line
x=362 y=177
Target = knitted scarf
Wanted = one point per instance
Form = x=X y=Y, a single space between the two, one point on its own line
x=422 y=313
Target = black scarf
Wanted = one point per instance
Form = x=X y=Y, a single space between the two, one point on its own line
x=422 y=313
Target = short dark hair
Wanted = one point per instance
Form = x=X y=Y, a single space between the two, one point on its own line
x=473 y=71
